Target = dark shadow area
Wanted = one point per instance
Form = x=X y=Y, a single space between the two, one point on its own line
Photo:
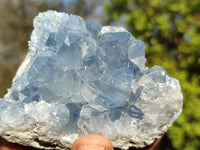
x=5 y=143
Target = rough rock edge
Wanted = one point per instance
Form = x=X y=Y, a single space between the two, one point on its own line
x=34 y=139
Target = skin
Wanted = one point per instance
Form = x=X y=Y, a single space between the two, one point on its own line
x=87 y=142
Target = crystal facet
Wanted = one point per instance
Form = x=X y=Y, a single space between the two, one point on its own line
x=81 y=78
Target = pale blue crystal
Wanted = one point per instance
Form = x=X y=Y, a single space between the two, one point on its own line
x=81 y=78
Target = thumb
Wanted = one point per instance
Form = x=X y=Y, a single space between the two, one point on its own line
x=92 y=142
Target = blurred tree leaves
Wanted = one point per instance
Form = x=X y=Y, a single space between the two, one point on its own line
x=171 y=32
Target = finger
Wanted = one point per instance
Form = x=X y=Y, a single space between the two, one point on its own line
x=92 y=142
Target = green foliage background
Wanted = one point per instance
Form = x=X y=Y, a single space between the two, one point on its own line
x=171 y=31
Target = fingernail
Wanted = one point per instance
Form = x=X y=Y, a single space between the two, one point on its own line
x=91 y=147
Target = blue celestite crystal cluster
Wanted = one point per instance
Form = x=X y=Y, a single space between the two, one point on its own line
x=80 y=78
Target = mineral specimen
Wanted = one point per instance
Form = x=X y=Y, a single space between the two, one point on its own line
x=80 y=78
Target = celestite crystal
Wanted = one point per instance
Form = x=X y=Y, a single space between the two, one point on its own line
x=81 y=78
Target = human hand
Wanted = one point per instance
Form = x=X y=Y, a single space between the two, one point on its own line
x=88 y=142
x=97 y=142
